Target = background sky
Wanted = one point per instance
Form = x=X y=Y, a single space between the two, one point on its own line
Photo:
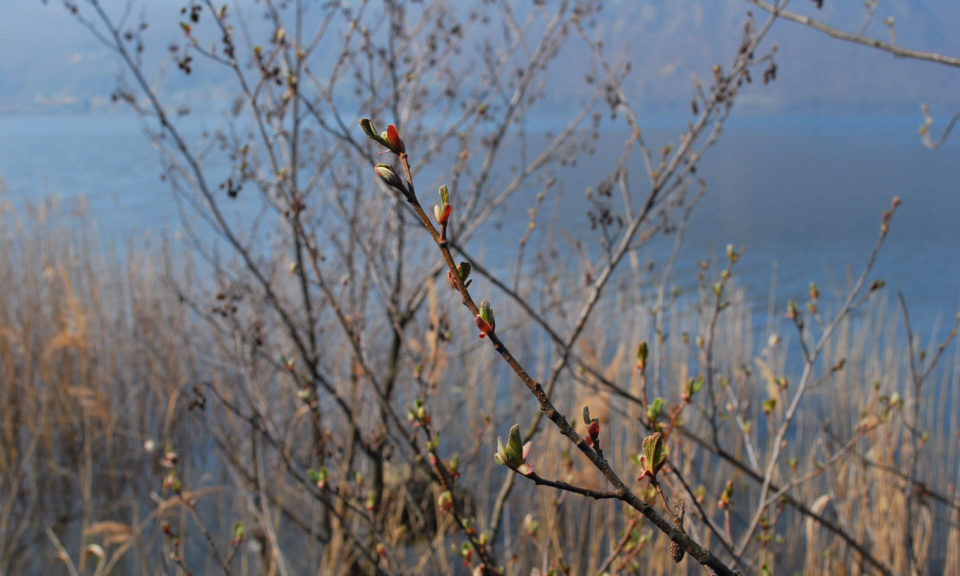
x=50 y=63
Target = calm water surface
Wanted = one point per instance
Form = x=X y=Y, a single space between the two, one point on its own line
x=802 y=195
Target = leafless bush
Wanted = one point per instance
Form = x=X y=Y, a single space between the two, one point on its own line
x=353 y=411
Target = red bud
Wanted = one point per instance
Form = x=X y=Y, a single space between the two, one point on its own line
x=483 y=326
x=393 y=138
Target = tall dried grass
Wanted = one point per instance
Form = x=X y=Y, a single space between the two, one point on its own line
x=100 y=357
x=94 y=354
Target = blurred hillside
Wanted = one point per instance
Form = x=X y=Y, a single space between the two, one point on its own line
x=50 y=64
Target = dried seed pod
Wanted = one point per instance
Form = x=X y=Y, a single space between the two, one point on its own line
x=676 y=552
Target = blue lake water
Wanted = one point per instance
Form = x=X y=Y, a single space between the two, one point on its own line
x=802 y=195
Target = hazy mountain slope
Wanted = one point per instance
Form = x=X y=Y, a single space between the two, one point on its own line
x=52 y=63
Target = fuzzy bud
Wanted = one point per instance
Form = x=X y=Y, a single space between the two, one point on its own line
x=514 y=453
x=655 y=409
x=654 y=455
x=643 y=352
x=318 y=477
x=442 y=213
x=238 y=533
x=381 y=138
x=485 y=320
x=769 y=405
x=469 y=526
x=726 y=496
x=418 y=414
x=453 y=466
x=466 y=552
x=593 y=433
x=368 y=128
x=389 y=176
x=593 y=428
x=692 y=386
x=445 y=501
x=463 y=270
x=792 y=310
x=732 y=254
x=530 y=525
